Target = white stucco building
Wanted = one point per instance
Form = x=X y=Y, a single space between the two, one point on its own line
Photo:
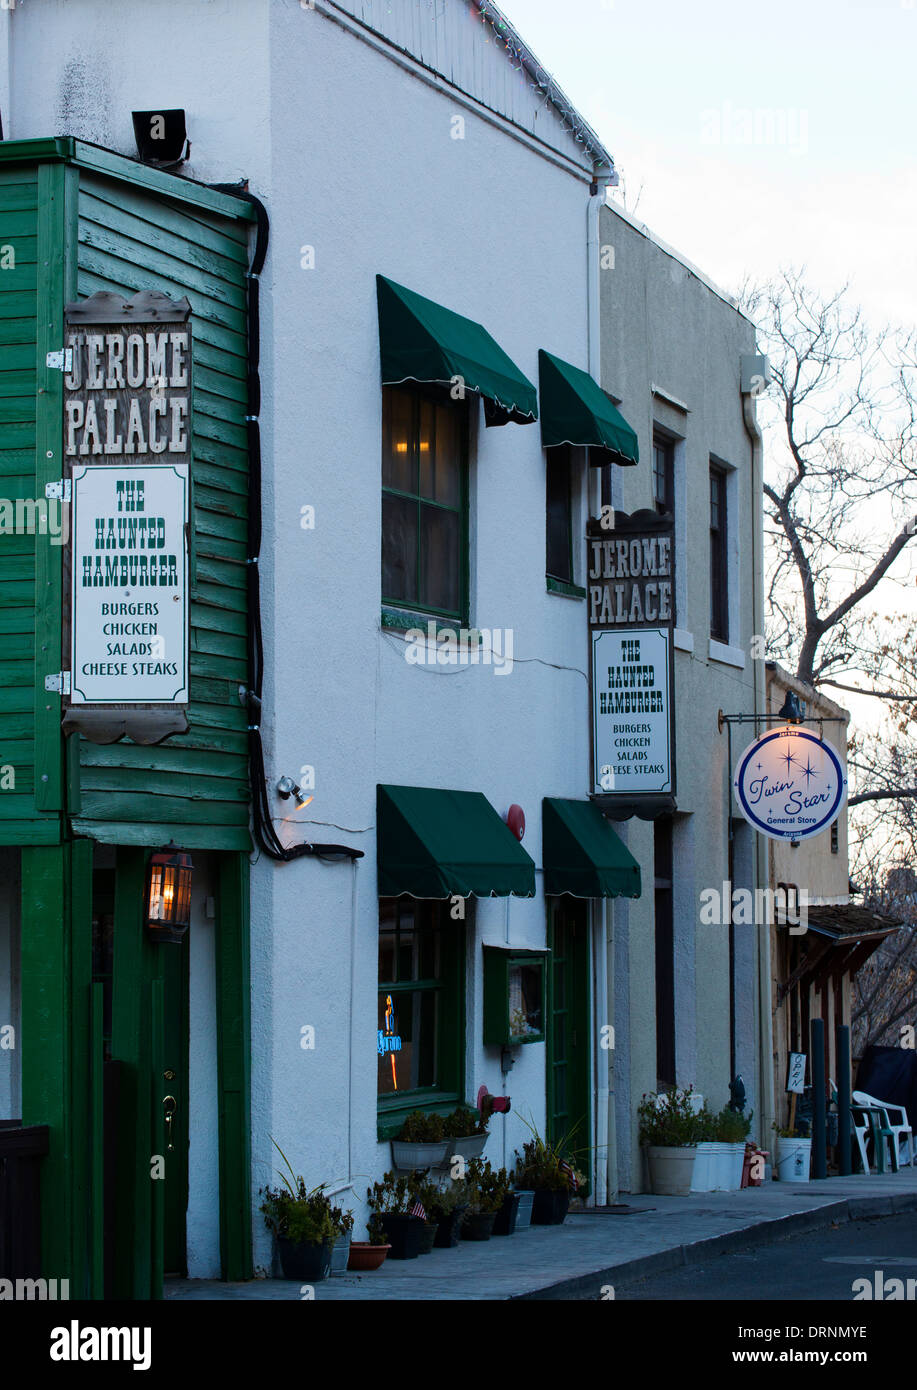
x=415 y=159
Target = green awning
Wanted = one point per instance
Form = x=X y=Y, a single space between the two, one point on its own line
x=439 y=844
x=419 y=340
x=582 y=854
x=575 y=410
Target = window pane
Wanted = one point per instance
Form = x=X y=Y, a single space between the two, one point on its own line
x=428 y=954
x=399 y=548
x=557 y=507
x=386 y=957
x=439 y=559
x=406 y=951
x=441 y=477
x=426 y=447
x=427 y=1061
x=399 y=465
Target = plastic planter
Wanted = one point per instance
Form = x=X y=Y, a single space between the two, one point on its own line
x=793 y=1159
x=550 y=1208
x=404 y=1233
x=671 y=1169
x=308 y=1263
x=478 y=1225
x=428 y=1239
x=340 y=1253
x=449 y=1229
x=411 y=1157
x=524 y=1210
x=707 y=1167
x=505 y=1223
x=472 y=1146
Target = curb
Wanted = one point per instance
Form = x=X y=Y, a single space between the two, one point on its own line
x=697 y=1252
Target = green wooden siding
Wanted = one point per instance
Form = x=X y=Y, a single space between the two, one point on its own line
x=21 y=821
x=195 y=786
x=80 y=220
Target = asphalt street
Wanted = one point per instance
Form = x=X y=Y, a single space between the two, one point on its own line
x=819 y=1265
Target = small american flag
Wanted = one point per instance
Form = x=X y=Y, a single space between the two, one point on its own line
x=571 y=1175
x=417 y=1210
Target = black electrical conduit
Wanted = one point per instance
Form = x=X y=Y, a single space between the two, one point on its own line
x=265 y=833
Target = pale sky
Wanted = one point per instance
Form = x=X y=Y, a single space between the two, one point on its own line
x=665 y=85
x=753 y=136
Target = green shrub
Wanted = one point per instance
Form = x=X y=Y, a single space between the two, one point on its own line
x=668 y=1120
x=487 y=1187
x=297 y=1214
x=732 y=1126
x=546 y=1165
x=420 y=1128
x=464 y=1122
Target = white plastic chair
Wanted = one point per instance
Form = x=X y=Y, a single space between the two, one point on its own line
x=900 y=1129
x=860 y=1127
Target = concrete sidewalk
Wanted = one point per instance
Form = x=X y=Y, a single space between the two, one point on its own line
x=593 y=1250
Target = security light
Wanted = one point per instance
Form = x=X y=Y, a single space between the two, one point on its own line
x=161 y=137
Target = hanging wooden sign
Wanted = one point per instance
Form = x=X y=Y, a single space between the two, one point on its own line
x=630 y=578
x=127 y=448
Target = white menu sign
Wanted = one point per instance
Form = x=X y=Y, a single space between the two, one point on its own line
x=631 y=714
x=129 y=626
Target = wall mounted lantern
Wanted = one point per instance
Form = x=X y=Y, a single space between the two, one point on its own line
x=168 y=894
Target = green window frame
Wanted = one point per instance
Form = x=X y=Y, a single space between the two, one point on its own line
x=425 y=502
x=421 y=958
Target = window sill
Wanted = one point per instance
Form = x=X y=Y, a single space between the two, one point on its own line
x=560 y=586
x=683 y=640
x=390 y=1118
x=403 y=621
x=728 y=656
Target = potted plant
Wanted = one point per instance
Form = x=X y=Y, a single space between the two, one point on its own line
x=303 y=1226
x=487 y=1189
x=420 y=1142
x=732 y=1130
x=394 y=1217
x=543 y=1169
x=340 y=1252
x=709 y=1169
x=368 y=1254
x=423 y=1194
x=465 y=1131
x=505 y=1223
x=669 y=1130
x=793 y=1155
x=448 y=1210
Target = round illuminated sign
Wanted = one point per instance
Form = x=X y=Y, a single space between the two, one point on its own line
x=789 y=784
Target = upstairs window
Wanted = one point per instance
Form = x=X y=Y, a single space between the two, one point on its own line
x=719 y=585
x=559 y=515
x=424 y=501
x=663 y=474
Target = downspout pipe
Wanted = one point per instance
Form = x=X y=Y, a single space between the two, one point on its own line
x=754 y=377
x=606 y=1172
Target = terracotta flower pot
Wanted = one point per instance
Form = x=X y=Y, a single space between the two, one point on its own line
x=364 y=1256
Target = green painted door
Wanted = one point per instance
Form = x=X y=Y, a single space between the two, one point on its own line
x=569 y=1090
x=174 y=1094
